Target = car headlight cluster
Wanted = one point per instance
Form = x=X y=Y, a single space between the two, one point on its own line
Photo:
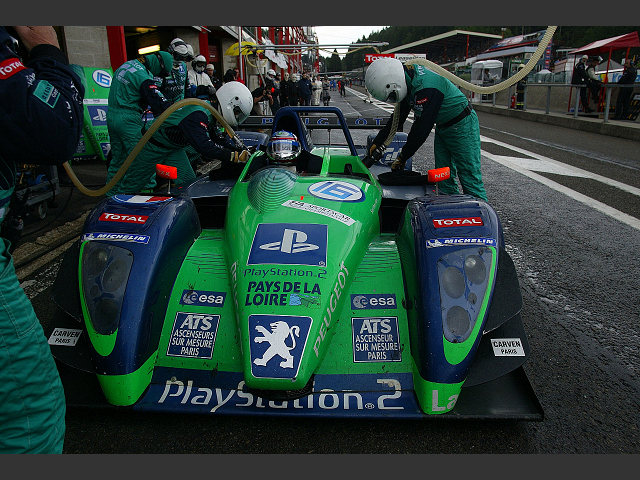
x=463 y=277
x=104 y=273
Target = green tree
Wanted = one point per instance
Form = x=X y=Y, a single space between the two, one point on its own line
x=334 y=63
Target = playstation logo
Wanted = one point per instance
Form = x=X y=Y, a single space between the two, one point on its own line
x=101 y=115
x=292 y=242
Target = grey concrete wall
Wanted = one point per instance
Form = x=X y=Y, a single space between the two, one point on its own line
x=87 y=46
x=559 y=97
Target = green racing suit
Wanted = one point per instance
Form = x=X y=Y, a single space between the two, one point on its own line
x=436 y=100
x=134 y=87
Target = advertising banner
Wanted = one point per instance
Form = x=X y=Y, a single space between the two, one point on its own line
x=403 y=57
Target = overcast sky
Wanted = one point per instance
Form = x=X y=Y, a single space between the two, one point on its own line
x=342 y=34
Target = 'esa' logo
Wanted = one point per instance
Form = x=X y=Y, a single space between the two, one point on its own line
x=370 y=301
x=202 y=298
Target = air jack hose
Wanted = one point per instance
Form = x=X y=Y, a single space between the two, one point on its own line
x=142 y=142
x=476 y=88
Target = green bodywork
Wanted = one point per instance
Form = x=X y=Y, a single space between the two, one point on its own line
x=218 y=262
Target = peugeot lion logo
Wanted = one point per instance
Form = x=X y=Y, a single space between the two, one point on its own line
x=277 y=338
x=292 y=242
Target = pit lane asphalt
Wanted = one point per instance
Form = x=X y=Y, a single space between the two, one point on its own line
x=578 y=275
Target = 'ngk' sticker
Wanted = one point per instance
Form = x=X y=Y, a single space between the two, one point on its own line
x=118 y=217
x=458 y=222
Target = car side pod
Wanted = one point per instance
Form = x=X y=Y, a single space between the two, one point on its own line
x=131 y=251
x=449 y=248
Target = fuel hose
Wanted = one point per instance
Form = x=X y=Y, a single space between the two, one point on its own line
x=530 y=65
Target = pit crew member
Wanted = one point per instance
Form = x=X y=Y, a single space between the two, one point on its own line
x=41 y=114
x=434 y=100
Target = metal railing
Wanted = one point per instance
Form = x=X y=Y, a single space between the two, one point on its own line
x=561 y=98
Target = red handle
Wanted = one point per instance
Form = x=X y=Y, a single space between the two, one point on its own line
x=166 y=171
x=438 y=174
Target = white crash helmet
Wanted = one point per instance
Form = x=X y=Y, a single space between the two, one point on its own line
x=271 y=72
x=385 y=80
x=235 y=101
x=181 y=50
x=199 y=63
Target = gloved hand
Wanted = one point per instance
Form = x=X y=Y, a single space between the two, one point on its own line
x=240 y=157
x=398 y=163
x=375 y=153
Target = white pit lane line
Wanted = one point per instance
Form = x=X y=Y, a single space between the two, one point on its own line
x=387 y=107
x=528 y=167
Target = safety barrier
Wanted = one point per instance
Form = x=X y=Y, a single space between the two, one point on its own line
x=565 y=99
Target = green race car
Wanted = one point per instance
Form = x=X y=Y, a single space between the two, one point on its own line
x=326 y=289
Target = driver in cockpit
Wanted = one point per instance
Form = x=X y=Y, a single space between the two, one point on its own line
x=284 y=150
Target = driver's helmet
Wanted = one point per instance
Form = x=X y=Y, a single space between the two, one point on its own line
x=235 y=101
x=283 y=148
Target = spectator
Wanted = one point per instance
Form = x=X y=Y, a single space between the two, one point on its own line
x=41 y=117
x=260 y=95
x=343 y=92
x=237 y=77
x=200 y=84
x=579 y=79
x=628 y=78
x=316 y=89
x=211 y=71
x=326 y=95
x=273 y=87
x=304 y=89
x=229 y=76
x=285 y=88
x=520 y=90
x=593 y=82
x=294 y=91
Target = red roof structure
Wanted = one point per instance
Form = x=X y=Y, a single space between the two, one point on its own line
x=628 y=40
